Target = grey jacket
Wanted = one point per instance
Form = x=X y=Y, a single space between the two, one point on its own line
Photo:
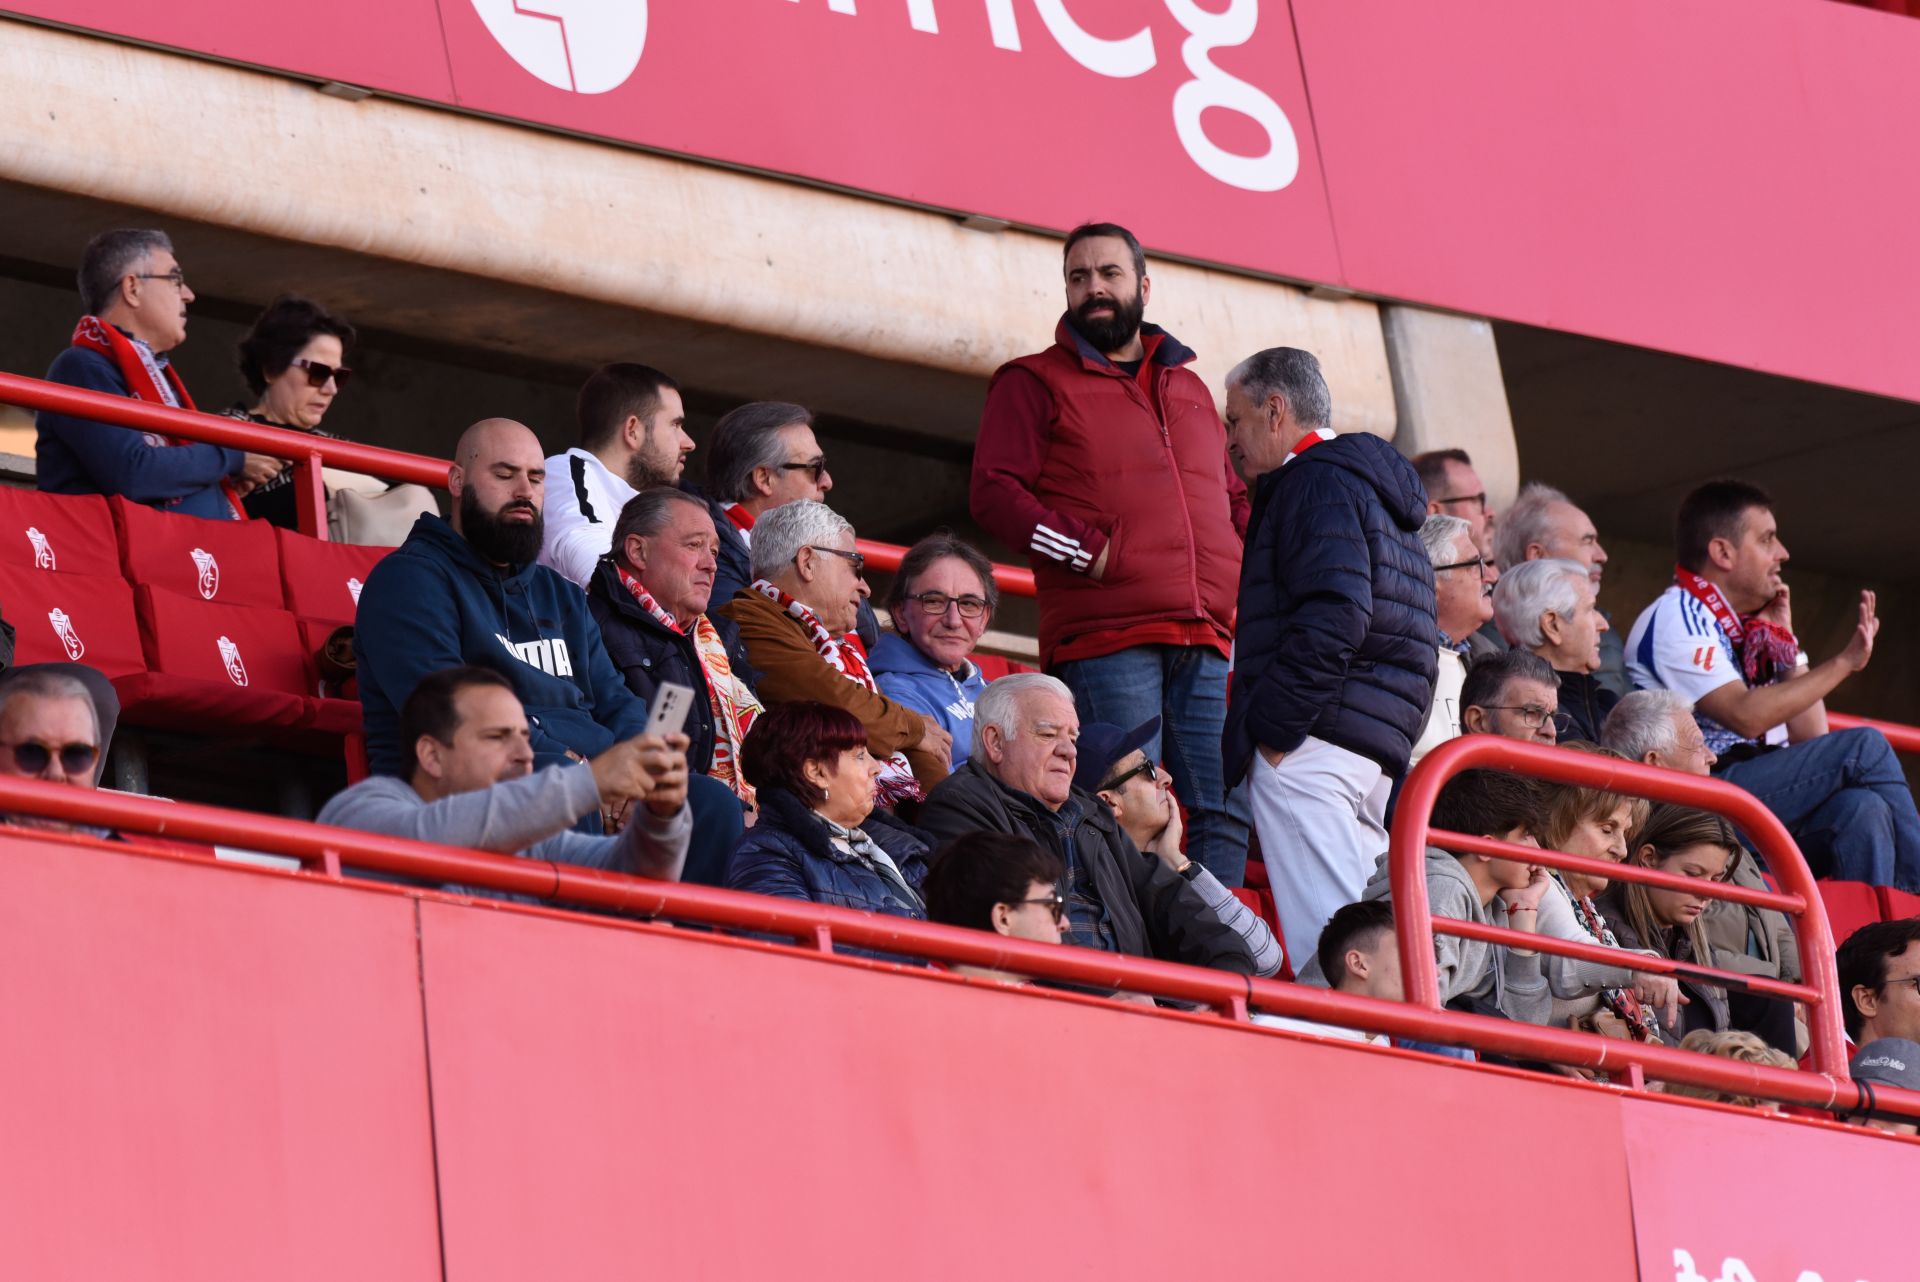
x=530 y=817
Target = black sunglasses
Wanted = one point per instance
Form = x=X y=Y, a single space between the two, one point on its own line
x=812 y=469
x=1146 y=768
x=1056 y=901
x=859 y=561
x=1479 y=563
x=318 y=373
x=32 y=757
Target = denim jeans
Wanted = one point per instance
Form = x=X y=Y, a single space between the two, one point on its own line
x=1845 y=799
x=1186 y=687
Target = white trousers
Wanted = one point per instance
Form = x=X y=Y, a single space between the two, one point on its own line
x=1321 y=815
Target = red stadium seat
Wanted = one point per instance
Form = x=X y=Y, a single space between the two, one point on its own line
x=1850 y=905
x=322 y=580
x=229 y=562
x=994 y=666
x=80 y=618
x=65 y=533
x=217 y=665
x=1896 y=905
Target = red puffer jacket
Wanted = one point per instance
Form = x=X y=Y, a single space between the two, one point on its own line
x=1074 y=457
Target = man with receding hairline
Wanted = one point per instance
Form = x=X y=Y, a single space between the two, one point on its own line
x=467 y=591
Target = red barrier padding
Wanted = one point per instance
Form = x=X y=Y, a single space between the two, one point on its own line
x=66 y=533
x=72 y=618
x=322 y=580
x=217 y=664
x=1850 y=905
x=229 y=562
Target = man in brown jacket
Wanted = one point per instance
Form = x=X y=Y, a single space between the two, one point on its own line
x=794 y=619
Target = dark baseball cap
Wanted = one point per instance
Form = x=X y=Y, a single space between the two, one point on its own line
x=1888 y=1061
x=1102 y=744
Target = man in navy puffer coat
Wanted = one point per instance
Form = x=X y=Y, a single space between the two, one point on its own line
x=1336 y=645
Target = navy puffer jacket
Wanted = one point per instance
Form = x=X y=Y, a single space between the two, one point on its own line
x=1336 y=636
x=787 y=853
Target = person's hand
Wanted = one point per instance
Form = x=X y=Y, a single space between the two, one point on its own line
x=1661 y=992
x=1528 y=899
x=1779 y=611
x=1099 y=570
x=666 y=761
x=935 y=742
x=1860 y=645
x=258 y=469
x=1167 y=843
x=1271 y=756
x=621 y=774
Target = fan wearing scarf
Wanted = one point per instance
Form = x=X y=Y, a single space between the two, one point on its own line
x=136 y=297
x=1722 y=636
x=795 y=620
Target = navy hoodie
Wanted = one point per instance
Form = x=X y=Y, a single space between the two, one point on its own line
x=434 y=603
x=1336 y=635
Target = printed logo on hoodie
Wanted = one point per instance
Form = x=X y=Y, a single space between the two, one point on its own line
x=549 y=654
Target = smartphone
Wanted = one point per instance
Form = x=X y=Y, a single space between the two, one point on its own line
x=671 y=704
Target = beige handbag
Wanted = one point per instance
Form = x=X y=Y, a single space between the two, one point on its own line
x=366 y=510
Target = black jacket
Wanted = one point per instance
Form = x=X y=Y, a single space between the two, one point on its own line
x=1154 y=912
x=1586 y=703
x=648 y=652
x=789 y=853
x=1336 y=635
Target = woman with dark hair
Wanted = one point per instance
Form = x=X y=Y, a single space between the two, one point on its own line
x=819 y=837
x=943 y=598
x=294 y=362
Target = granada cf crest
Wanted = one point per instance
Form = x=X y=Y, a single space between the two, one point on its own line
x=209 y=574
x=42 y=550
x=230 y=655
x=63 y=628
x=354 y=586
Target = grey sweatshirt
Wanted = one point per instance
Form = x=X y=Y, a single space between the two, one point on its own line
x=1242 y=921
x=530 y=817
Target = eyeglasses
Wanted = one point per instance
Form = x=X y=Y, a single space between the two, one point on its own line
x=936 y=603
x=1479 y=564
x=1146 y=768
x=176 y=277
x=318 y=373
x=1907 y=979
x=33 y=757
x=1533 y=715
x=859 y=561
x=813 y=469
x=1478 y=500
x=1055 y=902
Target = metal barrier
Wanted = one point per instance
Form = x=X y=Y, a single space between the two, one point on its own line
x=311 y=453
x=1903 y=738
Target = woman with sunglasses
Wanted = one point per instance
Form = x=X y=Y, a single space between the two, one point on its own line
x=819 y=836
x=294 y=362
x=942 y=599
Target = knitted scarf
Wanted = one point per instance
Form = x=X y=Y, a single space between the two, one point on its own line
x=1765 y=649
x=734 y=706
x=147 y=380
x=843 y=655
x=1621 y=1001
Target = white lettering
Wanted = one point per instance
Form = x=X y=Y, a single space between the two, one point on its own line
x=562 y=661
x=1212 y=87
x=1121 y=59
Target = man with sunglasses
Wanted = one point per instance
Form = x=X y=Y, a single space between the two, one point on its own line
x=49 y=729
x=136 y=297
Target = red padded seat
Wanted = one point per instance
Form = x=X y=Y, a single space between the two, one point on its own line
x=321 y=579
x=79 y=618
x=65 y=533
x=214 y=664
x=228 y=562
x=1896 y=905
x=1850 y=905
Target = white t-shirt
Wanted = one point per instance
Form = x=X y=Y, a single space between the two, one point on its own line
x=583 y=502
x=1676 y=644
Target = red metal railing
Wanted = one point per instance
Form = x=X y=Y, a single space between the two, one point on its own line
x=311 y=453
x=1903 y=738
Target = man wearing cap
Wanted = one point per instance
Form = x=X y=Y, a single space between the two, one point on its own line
x=1888 y=1061
x=1114 y=767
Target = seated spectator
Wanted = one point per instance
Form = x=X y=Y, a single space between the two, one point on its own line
x=764 y=455
x=1612 y=1000
x=1879 y=967
x=999 y=882
x=1889 y=1061
x=1514 y=694
x=1544 y=524
x=49 y=729
x=633 y=436
x=1020 y=779
x=1114 y=767
x=819 y=836
x=794 y=621
x=1547 y=609
x=468 y=592
x=1453 y=488
x=1722 y=635
x=1358 y=954
x=1670 y=923
x=136 y=301
x=1735 y=1045
x=473 y=785
x=1657 y=728
x=943 y=598
x=1463 y=604
x=650 y=600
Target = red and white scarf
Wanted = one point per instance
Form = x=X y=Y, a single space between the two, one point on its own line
x=844 y=655
x=147 y=380
x=1764 y=648
x=734 y=707
x=1307 y=442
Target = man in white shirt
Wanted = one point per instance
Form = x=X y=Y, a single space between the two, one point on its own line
x=1462 y=605
x=1722 y=636
x=633 y=435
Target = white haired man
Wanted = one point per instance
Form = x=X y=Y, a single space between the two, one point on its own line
x=1463 y=604
x=1546 y=608
x=1544 y=524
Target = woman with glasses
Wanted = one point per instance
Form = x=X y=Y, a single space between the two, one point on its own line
x=819 y=836
x=943 y=598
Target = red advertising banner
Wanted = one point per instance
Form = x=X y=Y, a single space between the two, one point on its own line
x=1711 y=1201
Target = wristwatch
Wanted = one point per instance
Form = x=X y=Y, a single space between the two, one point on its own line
x=1190 y=870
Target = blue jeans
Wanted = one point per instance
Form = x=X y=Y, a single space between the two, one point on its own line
x=1186 y=687
x=1845 y=799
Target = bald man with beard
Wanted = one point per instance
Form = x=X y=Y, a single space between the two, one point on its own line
x=468 y=591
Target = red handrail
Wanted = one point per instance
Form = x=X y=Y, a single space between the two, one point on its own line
x=1412 y=834
x=1903 y=738
x=311 y=453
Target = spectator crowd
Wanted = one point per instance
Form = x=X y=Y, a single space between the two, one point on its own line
x=1250 y=627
